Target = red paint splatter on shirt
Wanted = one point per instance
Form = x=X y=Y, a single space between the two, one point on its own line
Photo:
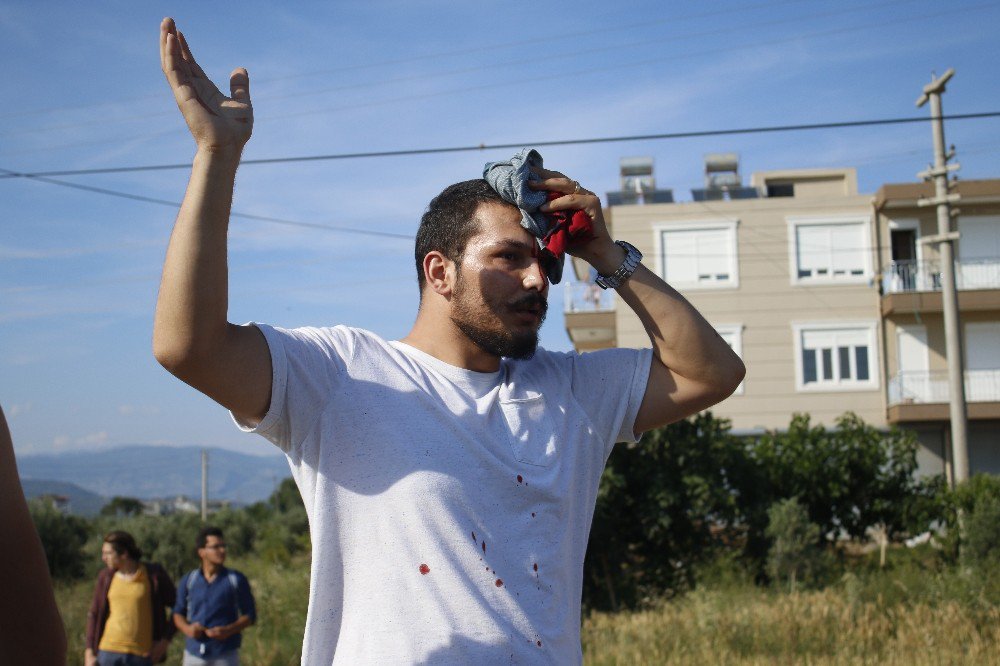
x=424 y=569
x=499 y=583
x=520 y=479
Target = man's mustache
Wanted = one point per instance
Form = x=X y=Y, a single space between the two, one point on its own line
x=531 y=301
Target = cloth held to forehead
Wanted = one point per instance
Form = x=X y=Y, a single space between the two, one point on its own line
x=554 y=231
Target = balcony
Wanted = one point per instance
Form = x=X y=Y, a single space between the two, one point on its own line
x=915 y=286
x=589 y=312
x=923 y=395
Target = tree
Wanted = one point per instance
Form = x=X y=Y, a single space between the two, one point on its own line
x=849 y=478
x=794 y=554
x=63 y=537
x=122 y=506
x=659 y=505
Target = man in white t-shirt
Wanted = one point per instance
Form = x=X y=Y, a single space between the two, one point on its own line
x=449 y=477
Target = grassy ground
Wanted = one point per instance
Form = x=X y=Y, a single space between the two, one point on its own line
x=910 y=615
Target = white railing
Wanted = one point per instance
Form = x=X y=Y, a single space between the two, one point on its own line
x=918 y=386
x=588 y=297
x=907 y=276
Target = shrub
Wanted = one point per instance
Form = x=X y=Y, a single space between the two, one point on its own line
x=795 y=554
x=63 y=537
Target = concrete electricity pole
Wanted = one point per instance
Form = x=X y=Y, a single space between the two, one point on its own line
x=204 y=485
x=945 y=239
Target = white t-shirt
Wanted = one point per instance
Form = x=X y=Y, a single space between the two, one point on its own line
x=449 y=509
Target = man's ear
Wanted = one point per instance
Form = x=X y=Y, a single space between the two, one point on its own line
x=439 y=273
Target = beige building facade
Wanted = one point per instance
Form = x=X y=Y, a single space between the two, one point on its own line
x=797 y=273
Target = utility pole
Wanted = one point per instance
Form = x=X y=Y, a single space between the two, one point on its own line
x=204 y=485
x=945 y=240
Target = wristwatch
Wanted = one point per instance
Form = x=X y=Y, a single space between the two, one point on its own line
x=624 y=272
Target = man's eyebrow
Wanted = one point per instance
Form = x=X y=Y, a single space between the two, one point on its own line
x=514 y=244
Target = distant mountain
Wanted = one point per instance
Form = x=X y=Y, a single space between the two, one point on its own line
x=161 y=471
x=82 y=502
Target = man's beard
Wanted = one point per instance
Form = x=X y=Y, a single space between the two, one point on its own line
x=498 y=340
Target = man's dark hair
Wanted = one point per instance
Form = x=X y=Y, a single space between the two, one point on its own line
x=450 y=220
x=206 y=532
x=122 y=543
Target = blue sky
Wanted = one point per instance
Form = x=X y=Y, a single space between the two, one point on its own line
x=82 y=89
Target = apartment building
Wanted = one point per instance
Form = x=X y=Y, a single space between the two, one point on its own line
x=793 y=270
x=912 y=321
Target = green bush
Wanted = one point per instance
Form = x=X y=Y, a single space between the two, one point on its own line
x=795 y=555
x=981 y=547
x=63 y=537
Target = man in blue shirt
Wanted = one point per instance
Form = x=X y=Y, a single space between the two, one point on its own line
x=214 y=605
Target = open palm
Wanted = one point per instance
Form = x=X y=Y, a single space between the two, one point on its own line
x=217 y=122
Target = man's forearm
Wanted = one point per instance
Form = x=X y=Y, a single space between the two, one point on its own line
x=193 y=299
x=682 y=339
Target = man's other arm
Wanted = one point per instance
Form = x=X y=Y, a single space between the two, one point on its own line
x=192 y=337
x=693 y=368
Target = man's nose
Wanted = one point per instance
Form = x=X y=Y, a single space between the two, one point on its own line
x=534 y=276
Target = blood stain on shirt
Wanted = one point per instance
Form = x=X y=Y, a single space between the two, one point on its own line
x=520 y=479
x=424 y=569
x=499 y=583
x=484 y=546
x=536 y=566
x=474 y=537
x=532 y=514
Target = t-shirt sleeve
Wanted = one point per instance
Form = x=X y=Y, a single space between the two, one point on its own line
x=306 y=366
x=246 y=602
x=610 y=384
x=180 y=604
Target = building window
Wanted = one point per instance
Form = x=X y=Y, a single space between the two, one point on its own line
x=835 y=356
x=733 y=335
x=780 y=190
x=829 y=250
x=698 y=254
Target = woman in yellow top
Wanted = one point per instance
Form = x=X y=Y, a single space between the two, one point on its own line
x=127 y=624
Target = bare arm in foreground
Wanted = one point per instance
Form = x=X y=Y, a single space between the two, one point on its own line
x=31 y=631
x=693 y=368
x=192 y=337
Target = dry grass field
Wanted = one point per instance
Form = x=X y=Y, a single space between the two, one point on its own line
x=913 y=618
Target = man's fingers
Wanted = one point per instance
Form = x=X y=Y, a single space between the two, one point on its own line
x=239 y=85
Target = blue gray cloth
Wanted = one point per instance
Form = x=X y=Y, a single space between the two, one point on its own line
x=510 y=179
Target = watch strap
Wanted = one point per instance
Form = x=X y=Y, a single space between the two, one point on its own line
x=625 y=270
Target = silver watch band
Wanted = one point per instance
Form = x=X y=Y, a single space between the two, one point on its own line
x=624 y=272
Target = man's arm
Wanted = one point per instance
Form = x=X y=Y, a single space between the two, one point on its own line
x=693 y=368
x=189 y=629
x=225 y=631
x=192 y=337
x=31 y=630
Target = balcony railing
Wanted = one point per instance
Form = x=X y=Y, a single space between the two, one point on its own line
x=909 y=276
x=918 y=386
x=588 y=297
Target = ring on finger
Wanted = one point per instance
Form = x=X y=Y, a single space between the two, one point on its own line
x=576 y=187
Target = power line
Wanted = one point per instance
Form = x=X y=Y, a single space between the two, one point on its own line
x=176 y=204
x=482 y=147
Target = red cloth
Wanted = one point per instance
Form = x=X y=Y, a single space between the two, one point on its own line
x=566 y=229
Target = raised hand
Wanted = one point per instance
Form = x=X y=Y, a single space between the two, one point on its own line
x=217 y=123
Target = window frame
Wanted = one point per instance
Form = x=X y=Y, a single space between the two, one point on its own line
x=869 y=327
x=794 y=223
x=729 y=225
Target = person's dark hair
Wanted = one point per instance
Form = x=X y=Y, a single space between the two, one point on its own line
x=206 y=532
x=123 y=543
x=450 y=220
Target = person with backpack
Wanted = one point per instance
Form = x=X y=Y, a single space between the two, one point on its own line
x=214 y=606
